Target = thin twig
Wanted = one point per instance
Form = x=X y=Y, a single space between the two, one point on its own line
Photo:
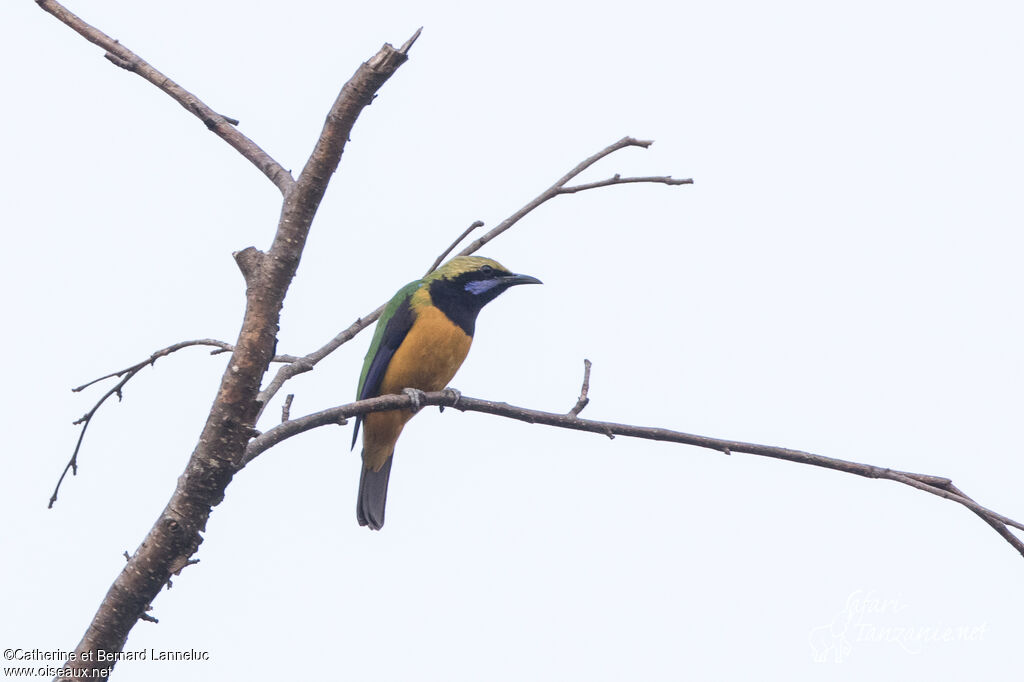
x=221 y=126
x=619 y=180
x=935 y=485
x=584 y=390
x=305 y=364
x=451 y=247
x=286 y=409
x=218 y=348
x=998 y=526
x=560 y=188
x=308 y=362
x=126 y=375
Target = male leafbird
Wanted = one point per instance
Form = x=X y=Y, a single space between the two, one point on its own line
x=420 y=342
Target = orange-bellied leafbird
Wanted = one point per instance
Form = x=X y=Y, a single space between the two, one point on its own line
x=420 y=342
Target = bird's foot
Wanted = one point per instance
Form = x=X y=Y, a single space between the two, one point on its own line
x=454 y=393
x=416 y=395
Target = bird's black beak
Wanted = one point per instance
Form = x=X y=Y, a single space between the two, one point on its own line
x=514 y=279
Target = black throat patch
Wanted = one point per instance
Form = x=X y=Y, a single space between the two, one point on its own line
x=458 y=305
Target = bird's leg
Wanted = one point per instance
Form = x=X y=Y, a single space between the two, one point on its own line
x=453 y=392
x=417 y=398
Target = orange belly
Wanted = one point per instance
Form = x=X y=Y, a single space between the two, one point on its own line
x=428 y=358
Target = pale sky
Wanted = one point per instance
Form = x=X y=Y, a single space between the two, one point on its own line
x=843 y=277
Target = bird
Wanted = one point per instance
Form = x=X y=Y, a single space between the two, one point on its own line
x=420 y=341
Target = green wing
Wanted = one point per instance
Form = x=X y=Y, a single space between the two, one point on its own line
x=392 y=327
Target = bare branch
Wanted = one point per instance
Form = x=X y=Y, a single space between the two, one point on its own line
x=221 y=126
x=308 y=362
x=350 y=101
x=451 y=247
x=998 y=526
x=219 y=347
x=936 y=485
x=126 y=375
x=619 y=180
x=560 y=188
x=230 y=425
x=356 y=94
x=404 y=49
x=584 y=390
x=286 y=409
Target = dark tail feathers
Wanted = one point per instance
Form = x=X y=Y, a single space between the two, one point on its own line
x=373 y=495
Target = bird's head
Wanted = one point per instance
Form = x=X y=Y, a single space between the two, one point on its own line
x=479 y=277
x=465 y=284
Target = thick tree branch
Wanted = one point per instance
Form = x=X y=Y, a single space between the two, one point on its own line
x=221 y=126
x=936 y=485
x=219 y=454
x=560 y=187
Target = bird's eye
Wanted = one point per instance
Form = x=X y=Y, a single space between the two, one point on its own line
x=487 y=270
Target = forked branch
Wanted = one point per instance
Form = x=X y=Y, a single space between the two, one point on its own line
x=125 y=375
x=560 y=187
x=177 y=532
